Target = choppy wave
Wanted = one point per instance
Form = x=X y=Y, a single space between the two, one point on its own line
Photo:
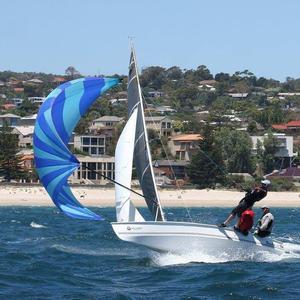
x=75 y=259
x=36 y=225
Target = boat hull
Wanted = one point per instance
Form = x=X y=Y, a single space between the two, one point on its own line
x=181 y=237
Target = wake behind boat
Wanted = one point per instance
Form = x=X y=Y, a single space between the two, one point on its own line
x=161 y=235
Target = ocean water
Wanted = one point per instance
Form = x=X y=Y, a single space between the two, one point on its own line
x=45 y=255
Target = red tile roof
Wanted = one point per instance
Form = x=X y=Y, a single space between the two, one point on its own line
x=295 y=123
x=279 y=126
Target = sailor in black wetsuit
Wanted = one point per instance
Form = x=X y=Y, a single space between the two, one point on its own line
x=248 y=201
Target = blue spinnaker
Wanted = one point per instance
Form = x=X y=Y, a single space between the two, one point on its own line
x=56 y=120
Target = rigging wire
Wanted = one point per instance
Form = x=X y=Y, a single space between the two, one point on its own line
x=112 y=180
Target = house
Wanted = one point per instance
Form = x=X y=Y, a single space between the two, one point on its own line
x=37 y=100
x=162 y=125
x=59 y=80
x=292 y=126
x=8 y=106
x=238 y=95
x=19 y=90
x=285 y=147
x=25 y=135
x=17 y=101
x=155 y=94
x=10 y=119
x=183 y=146
x=28 y=120
x=27 y=159
x=282 y=96
x=117 y=101
x=100 y=165
x=106 y=122
x=93 y=145
x=173 y=169
x=33 y=81
x=291 y=173
x=164 y=109
x=207 y=85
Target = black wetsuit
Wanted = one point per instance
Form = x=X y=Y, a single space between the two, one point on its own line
x=248 y=201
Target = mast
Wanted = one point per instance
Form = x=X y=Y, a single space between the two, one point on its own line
x=143 y=162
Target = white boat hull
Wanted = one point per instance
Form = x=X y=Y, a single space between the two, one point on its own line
x=181 y=237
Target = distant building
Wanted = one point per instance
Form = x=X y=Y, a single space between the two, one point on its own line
x=8 y=106
x=117 y=101
x=93 y=145
x=104 y=165
x=292 y=126
x=25 y=135
x=155 y=94
x=10 y=119
x=291 y=173
x=162 y=125
x=28 y=120
x=17 y=101
x=106 y=122
x=173 y=169
x=183 y=146
x=238 y=95
x=285 y=147
x=165 y=109
x=19 y=90
x=37 y=100
x=33 y=81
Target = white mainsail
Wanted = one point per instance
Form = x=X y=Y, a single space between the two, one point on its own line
x=125 y=210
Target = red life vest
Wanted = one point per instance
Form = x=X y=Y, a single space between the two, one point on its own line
x=246 y=220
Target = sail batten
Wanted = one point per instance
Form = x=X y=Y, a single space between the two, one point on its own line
x=56 y=120
x=142 y=155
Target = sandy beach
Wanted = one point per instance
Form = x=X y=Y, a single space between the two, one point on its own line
x=105 y=197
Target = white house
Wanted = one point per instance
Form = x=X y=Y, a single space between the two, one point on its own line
x=93 y=145
x=91 y=167
x=285 y=146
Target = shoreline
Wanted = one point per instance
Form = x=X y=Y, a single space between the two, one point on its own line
x=12 y=195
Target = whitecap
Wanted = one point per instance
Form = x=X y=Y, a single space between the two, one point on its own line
x=36 y=225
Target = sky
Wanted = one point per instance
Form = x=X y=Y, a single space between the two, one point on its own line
x=92 y=35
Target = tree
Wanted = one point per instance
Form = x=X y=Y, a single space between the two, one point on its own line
x=72 y=72
x=270 y=149
x=206 y=165
x=10 y=162
x=236 y=150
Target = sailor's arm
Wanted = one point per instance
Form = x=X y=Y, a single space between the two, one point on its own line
x=264 y=223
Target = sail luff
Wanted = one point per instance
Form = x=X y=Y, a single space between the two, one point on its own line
x=143 y=161
x=125 y=210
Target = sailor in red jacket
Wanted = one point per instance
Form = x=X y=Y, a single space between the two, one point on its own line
x=245 y=222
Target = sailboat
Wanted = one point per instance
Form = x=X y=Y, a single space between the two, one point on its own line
x=160 y=234
x=54 y=162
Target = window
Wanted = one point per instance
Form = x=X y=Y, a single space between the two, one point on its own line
x=93 y=141
x=85 y=141
x=101 y=141
x=109 y=166
x=93 y=150
x=92 y=166
x=85 y=149
x=99 y=166
x=100 y=150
